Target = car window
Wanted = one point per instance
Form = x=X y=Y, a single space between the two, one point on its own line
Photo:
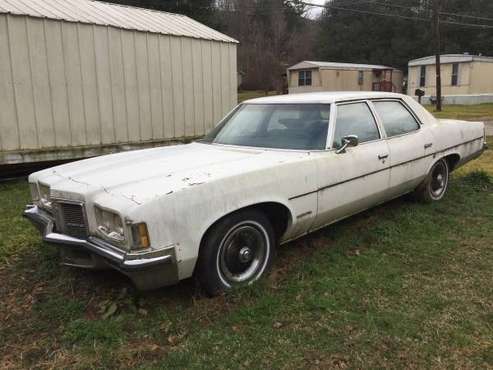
x=282 y=126
x=355 y=119
x=396 y=119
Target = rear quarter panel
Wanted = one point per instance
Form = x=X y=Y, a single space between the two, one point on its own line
x=463 y=138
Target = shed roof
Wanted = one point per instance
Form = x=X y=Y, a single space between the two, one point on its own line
x=105 y=14
x=334 y=65
x=450 y=58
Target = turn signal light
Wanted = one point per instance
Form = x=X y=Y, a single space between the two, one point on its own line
x=141 y=235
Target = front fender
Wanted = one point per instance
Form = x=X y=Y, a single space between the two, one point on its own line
x=182 y=218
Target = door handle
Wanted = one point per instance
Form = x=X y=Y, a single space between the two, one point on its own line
x=383 y=156
x=429 y=145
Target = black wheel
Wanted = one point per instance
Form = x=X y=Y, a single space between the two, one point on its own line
x=237 y=251
x=435 y=185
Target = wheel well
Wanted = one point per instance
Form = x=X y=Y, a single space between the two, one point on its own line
x=277 y=213
x=452 y=161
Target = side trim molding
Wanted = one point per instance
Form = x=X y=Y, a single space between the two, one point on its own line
x=384 y=169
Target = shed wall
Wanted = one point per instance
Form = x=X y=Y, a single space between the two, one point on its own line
x=70 y=85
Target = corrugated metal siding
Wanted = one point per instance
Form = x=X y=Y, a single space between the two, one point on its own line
x=105 y=14
x=72 y=84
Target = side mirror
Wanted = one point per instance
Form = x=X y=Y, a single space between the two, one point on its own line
x=347 y=141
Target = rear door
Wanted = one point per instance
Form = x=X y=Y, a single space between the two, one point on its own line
x=358 y=178
x=409 y=145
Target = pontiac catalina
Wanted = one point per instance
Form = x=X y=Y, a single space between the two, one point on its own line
x=272 y=170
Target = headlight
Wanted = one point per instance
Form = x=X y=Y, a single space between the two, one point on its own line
x=110 y=225
x=34 y=192
x=44 y=196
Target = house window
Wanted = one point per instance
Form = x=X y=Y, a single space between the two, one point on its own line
x=360 y=77
x=422 y=76
x=455 y=74
x=304 y=78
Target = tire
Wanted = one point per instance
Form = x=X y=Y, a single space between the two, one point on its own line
x=434 y=187
x=236 y=251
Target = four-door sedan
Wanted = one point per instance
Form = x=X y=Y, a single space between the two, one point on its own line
x=274 y=169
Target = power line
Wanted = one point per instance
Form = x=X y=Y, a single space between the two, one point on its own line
x=416 y=18
x=483 y=26
x=410 y=8
x=371 y=12
x=467 y=16
x=333 y=7
x=361 y=11
x=407 y=7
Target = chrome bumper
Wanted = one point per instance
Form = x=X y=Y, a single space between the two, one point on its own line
x=148 y=270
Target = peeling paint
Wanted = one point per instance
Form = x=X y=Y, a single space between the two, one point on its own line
x=77 y=181
x=132 y=198
x=315 y=188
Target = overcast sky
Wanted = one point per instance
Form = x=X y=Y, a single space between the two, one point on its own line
x=315 y=11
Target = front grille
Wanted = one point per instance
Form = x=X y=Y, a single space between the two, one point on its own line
x=71 y=220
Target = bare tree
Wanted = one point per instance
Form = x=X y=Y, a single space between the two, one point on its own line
x=272 y=35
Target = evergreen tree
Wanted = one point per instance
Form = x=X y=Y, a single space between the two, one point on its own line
x=200 y=10
x=402 y=34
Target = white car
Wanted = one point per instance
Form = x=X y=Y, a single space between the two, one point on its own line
x=274 y=169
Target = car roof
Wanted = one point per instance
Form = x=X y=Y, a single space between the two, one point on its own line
x=325 y=97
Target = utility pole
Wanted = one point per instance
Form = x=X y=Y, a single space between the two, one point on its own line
x=436 y=27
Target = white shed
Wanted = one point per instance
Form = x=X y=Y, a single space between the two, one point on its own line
x=80 y=78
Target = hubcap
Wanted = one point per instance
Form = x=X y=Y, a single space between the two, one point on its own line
x=438 y=180
x=243 y=253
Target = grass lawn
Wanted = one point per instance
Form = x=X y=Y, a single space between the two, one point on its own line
x=480 y=112
x=402 y=285
x=252 y=94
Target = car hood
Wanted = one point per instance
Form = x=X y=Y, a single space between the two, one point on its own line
x=143 y=174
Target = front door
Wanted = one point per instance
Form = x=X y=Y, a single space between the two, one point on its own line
x=358 y=178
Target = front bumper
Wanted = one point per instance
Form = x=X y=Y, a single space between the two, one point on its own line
x=147 y=270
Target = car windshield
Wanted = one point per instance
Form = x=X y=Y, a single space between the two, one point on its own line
x=281 y=126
